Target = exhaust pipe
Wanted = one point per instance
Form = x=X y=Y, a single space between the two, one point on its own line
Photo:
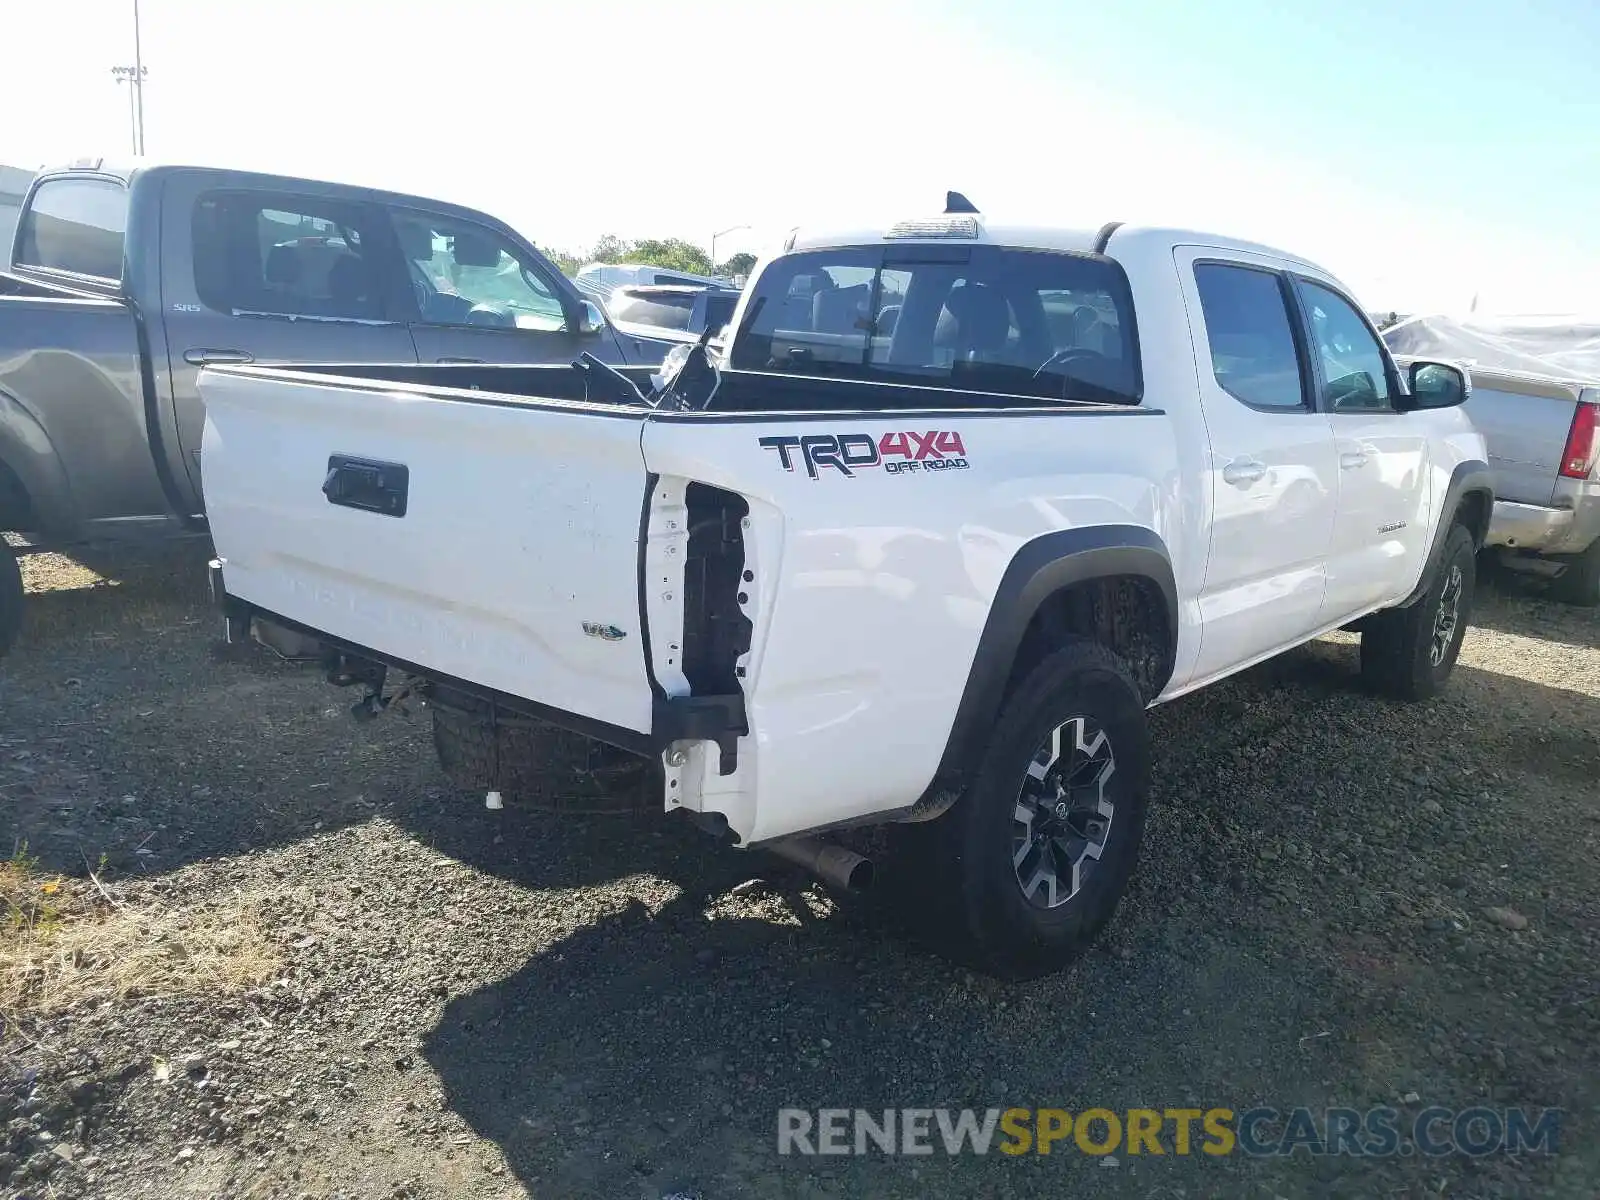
x=830 y=862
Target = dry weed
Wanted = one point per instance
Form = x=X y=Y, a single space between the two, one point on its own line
x=64 y=941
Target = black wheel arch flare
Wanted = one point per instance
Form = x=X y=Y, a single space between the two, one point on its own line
x=1043 y=567
x=1470 y=478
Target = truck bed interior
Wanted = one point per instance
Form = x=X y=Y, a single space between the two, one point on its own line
x=737 y=392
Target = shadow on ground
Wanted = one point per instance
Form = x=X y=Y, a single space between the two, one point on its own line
x=651 y=1049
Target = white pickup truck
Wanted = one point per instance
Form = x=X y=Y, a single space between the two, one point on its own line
x=958 y=505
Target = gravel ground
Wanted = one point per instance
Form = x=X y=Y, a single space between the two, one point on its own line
x=462 y=1003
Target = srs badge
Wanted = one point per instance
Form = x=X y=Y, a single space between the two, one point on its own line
x=610 y=632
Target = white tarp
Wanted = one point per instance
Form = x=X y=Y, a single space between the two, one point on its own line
x=1558 y=347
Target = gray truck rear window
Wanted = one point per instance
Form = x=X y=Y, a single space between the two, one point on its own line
x=1051 y=325
x=76 y=225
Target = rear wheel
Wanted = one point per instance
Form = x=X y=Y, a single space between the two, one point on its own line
x=539 y=766
x=1041 y=844
x=10 y=597
x=1408 y=653
x=1580 y=582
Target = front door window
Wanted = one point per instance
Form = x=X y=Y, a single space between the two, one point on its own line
x=464 y=274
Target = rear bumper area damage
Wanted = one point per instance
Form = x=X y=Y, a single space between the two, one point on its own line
x=1529 y=526
x=1568 y=525
x=720 y=718
x=697 y=636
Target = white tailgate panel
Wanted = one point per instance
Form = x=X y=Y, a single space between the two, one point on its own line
x=522 y=525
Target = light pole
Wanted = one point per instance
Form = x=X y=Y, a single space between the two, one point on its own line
x=134 y=77
x=715 y=236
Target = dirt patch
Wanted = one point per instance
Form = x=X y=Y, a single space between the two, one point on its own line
x=497 y=1004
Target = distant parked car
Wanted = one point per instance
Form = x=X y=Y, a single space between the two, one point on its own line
x=1536 y=400
x=665 y=310
x=601 y=279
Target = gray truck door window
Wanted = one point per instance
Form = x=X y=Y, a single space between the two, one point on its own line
x=475 y=299
x=271 y=277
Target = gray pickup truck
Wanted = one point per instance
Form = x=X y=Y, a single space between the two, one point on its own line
x=124 y=281
x=1536 y=400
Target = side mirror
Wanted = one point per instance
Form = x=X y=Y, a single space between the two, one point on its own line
x=1437 y=385
x=590 y=318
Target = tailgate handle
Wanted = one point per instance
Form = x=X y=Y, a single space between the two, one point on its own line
x=380 y=487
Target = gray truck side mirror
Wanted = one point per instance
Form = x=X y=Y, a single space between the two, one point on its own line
x=590 y=318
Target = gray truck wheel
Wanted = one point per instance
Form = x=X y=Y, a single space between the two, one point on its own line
x=540 y=767
x=1408 y=653
x=10 y=597
x=1040 y=846
x=1580 y=582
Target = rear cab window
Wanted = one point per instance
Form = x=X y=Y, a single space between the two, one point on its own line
x=77 y=226
x=1049 y=325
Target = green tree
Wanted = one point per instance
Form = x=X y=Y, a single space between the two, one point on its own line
x=611 y=249
x=675 y=254
x=566 y=262
x=739 y=264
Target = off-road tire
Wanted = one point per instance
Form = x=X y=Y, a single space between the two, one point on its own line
x=541 y=767
x=1580 y=583
x=10 y=597
x=986 y=917
x=1398 y=644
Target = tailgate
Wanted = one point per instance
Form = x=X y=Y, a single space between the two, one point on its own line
x=1524 y=422
x=489 y=540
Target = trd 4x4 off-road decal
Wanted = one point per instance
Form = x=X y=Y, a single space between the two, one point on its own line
x=904 y=453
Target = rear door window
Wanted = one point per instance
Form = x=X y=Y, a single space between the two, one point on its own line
x=287 y=256
x=1043 y=324
x=1249 y=333
x=75 y=225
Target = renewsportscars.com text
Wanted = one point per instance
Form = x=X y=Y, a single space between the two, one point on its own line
x=1261 y=1131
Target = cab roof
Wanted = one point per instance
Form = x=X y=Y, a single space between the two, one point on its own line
x=973 y=228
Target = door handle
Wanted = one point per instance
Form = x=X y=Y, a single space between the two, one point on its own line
x=1242 y=472
x=459 y=362
x=1353 y=459
x=206 y=358
x=379 y=487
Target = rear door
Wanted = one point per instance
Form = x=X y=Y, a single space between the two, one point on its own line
x=1380 y=531
x=281 y=276
x=474 y=297
x=1273 y=468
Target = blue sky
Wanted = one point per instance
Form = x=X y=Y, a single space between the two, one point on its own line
x=1426 y=152
x=1489 y=108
